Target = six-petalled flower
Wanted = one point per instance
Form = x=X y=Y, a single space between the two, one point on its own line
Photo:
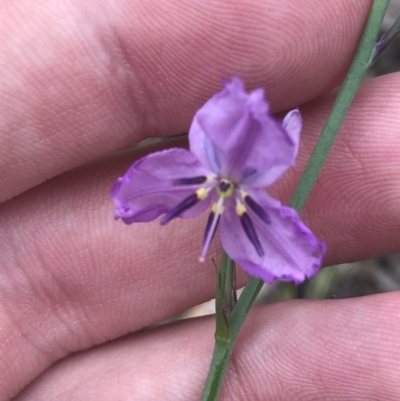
x=236 y=150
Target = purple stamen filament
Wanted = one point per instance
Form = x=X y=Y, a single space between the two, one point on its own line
x=190 y=180
x=186 y=204
x=251 y=233
x=257 y=209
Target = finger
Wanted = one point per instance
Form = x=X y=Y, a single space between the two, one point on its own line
x=71 y=277
x=308 y=350
x=104 y=75
x=355 y=205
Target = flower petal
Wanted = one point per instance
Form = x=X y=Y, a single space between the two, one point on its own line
x=292 y=124
x=147 y=190
x=289 y=250
x=235 y=136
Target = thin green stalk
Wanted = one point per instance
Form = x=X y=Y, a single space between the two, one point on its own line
x=226 y=297
x=221 y=319
x=224 y=304
x=348 y=90
x=230 y=284
x=358 y=68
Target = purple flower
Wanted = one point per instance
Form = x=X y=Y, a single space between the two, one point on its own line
x=236 y=149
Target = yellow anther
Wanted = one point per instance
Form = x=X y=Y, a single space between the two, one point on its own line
x=202 y=193
x=243 y=193
x=214 y=208
x=240 y=209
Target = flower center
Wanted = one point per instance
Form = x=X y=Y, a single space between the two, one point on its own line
x=225 y=188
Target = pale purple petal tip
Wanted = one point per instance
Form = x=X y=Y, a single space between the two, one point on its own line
x=149 y=188
x=243 y=136
x=292 y=123
x=289 y=250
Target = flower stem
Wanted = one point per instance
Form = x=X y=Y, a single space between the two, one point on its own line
x=226 y=297
x=347 y=92
x=358 y=68
x=224 y=304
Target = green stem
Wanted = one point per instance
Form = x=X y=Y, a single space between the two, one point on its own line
x=224 y=304
x=221 y=319
x=219 y=363
x=347 y=92
x=226 y=297
x=229 y=288
x=358 y=68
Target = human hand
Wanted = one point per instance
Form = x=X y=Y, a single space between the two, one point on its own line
x=83 y=79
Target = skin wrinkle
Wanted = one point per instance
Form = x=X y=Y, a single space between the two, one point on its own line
x=77 y=188
x=100 y=126
x=45 y=298
x=68 y=318
x=51 y=265
x=376 y=171
x=18 y=283
x=105 y=172
x=42 y=288
x=240 y=385
x=100 y=174
x=314 y=322
x=95 y=122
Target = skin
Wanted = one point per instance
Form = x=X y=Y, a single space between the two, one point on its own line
x=80 y=81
